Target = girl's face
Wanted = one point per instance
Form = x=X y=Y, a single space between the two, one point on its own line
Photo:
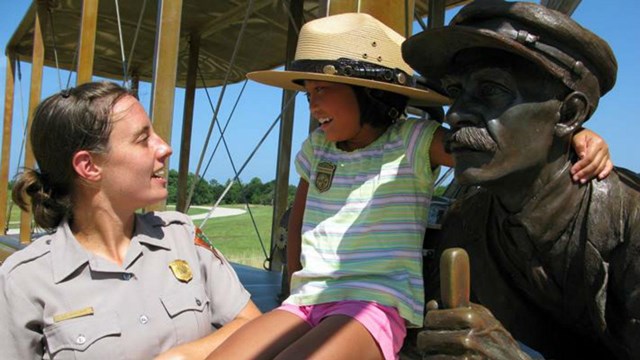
x=335 y=107
x=134 y=165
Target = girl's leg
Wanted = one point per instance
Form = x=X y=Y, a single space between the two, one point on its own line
x=336 y=337
x=263 y=338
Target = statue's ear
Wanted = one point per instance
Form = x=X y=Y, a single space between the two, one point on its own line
x=573 y=113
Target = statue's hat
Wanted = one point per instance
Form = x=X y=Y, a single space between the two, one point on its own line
x=552 y=40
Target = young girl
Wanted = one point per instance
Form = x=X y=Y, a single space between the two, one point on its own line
x=106 y=282
x=358 y=220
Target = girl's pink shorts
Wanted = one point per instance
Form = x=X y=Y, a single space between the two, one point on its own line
x=383 y=322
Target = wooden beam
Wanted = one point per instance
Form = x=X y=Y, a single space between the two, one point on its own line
x=230 y=17
x=164 y=72
x=22 y=30
x=9 y=89
x=284 y=146
x=87 y=41
x=396 y=14
x=436 y=14
x=35 y=92
x=187 y=122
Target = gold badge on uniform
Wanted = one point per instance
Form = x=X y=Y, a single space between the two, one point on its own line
x=324 y=175
x=181 y=270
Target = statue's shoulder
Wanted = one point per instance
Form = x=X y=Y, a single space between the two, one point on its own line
x=616 y=198
x=626 y=202
x=629 y=178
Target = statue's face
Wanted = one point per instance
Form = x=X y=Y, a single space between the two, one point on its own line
x=502 y=122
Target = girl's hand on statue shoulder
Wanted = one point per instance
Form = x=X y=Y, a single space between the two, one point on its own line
x=595 y=160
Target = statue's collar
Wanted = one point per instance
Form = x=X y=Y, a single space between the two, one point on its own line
x=546 y=215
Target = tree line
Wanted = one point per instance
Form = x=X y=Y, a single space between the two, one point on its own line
x=208 y=192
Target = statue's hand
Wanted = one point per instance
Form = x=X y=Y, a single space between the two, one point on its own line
x=469 y=332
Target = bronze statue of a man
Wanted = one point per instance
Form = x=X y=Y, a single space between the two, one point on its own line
x=557 y=263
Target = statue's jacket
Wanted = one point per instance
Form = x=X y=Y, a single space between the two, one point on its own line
x=562 y=274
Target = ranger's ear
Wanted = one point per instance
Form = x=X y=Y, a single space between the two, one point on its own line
x=573 y=113
x=85 y=166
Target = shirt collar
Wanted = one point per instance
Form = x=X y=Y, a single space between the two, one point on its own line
x=151 y=230
x=69 y=255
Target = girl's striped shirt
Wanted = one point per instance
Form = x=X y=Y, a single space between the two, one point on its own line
x=364 y=221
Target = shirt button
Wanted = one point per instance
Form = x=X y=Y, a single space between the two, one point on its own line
x=144 y=319
x=81 y=339
x=127 y=276
x=198 y=302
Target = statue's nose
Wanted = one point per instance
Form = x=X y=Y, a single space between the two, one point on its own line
x=459 y=116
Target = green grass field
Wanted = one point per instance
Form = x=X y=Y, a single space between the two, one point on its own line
x=14 y=218
x=235 y=236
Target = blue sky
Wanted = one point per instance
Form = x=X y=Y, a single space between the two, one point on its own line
x=616 y=119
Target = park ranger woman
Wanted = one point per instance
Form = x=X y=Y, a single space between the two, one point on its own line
x=105 y=282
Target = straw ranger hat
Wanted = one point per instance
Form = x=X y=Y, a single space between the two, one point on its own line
x=354 y=49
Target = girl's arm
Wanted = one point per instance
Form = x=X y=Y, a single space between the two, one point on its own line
x=437 y=154
x=594 y=156
x=199 y=349
x=294 y=233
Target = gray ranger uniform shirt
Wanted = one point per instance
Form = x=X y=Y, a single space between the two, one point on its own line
x=60 y=301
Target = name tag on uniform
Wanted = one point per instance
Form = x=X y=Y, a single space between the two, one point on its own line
x=181 y=270
x=73 y=314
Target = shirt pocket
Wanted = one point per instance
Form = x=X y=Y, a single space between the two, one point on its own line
x=90 y=337
x=188 y=308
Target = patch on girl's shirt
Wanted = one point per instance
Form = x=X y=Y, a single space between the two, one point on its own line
x=324 y=175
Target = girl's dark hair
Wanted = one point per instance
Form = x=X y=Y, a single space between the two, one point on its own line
x=65 y=123
x=379 y=108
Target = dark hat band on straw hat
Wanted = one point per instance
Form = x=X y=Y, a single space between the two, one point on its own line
x=354 y=49
x=354 y=68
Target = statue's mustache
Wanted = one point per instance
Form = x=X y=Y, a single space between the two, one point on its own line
x=476 y=138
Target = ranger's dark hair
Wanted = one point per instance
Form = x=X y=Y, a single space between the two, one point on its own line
x=72 y=120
